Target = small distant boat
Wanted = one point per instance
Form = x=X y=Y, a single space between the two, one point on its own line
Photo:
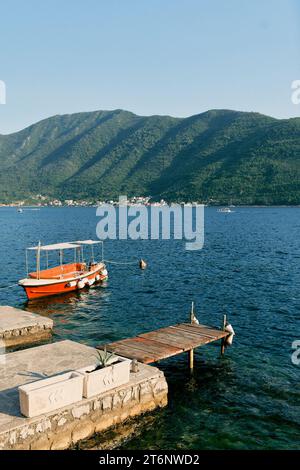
x=20 y=210
x=225 y=210
x=64 y=277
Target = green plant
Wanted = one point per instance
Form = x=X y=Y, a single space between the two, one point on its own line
x=104 y=357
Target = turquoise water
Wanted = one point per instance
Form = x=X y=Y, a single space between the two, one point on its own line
x=249 y=269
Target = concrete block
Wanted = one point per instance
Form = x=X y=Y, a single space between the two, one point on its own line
x=103 y=380
x=50 y=394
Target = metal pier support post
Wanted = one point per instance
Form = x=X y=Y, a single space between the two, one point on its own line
x=223 y=339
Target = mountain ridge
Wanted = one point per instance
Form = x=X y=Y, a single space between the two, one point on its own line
x=219 y=156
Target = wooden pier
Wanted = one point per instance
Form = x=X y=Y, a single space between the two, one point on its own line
x=166 y=342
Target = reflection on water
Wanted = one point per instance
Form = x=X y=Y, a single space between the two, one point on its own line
x=66 y=303
x=120 y=434
x=249 y=269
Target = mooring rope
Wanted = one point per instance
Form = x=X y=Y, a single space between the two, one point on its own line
x=8 y=287
x=120 y=262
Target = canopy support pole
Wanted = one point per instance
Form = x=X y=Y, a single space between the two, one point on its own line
x=38 y=261
x=191 y=352
x=26 y=262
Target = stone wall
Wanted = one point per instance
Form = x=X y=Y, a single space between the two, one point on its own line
x=21 y=327
x=26 y=335
x=60 y=429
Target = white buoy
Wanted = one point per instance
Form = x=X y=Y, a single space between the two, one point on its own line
x=143 y=264
x=193 y=317
x=80 y=284
x=71 y=284
x=229 y=339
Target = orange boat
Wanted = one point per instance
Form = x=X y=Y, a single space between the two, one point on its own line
x=65 y=277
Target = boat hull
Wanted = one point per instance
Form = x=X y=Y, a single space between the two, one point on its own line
x=36 y=290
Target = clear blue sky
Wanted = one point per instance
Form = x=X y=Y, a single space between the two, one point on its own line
x=177 y=57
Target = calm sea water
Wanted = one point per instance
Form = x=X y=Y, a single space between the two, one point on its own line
x=248 y=269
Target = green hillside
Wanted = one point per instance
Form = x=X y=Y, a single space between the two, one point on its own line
x=219 y=156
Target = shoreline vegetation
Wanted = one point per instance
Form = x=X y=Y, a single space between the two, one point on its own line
x=40 y=201
x=87 y=204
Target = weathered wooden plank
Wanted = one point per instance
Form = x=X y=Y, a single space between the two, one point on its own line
x=205 y=327
x=148 y=351
x=180 y=334
x=131 y=353
x=168 y=340
x=200 y=325
x=189 y=333
x=195 y=332
x=150 y=347
x=156 y=345
x=206 y=330
x=142 y=356
x=186 y=343
x=170 y=332
x=177 y=340
x=196 y=328
x=157 y=349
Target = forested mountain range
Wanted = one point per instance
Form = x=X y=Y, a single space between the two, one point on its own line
x=219 y=156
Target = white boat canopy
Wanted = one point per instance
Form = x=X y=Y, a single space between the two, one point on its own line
x=56 y=246
x=88 y=242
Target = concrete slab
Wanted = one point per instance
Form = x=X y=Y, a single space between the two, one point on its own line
x=19 y=327
x=59 y=429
